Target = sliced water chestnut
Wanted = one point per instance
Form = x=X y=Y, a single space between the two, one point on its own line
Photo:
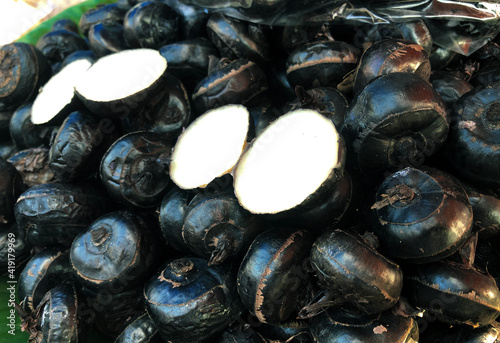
x=54 y=213
x=108 y=14
x=398 y=120
x=338 y=325
x=140 y=330
x=168 y=113
x=188 y=60
x=292 y=331
x=326 y=100
x=238 y=39
x=210 y=146
x=353 y=270
x=472 y=145
x=45 y=270
x=11 y=187
x=120 y=233
x=190 y=301
x=218 y=228
x=272 y=277
x=134 y=170
x=23 y=70
x=390 y=56
x=321 y=64
x=106 y=92
x=113 y=310
x=13 y=243
x=57 y=98
x=78 y=147
x=151 y=24
x=290 y=165
x=57 y=45
x=33 y=165
x=234 y=82
x=454 y=293
x=421 y=215
x=106 y=39
x=57 y=317
x=26 y=134
x=449 y=86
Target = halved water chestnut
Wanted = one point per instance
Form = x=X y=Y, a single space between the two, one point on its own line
x=421 y=215
x=190 y=301
x=272 y=277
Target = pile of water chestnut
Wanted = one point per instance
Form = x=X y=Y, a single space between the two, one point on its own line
x=173 y=174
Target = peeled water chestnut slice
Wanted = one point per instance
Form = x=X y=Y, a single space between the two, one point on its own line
x=421 y=215
x=272 y=277
x=57 y=98
x=291 y=165
x=120 y=83
x=210 y=146
x=472 y=145
x=23 y=70
x=390 y=56
x=190 y=301
x=134 y=169
x=398 y=120
x=338 y=325
x=454 y=293
x=353 y=271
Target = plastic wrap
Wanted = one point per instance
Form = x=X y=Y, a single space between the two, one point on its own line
x=460 y=26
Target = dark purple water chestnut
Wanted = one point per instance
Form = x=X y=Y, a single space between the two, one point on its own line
x=237 y=39
x=7 y=149
x=167 y=113
x=352 y=270
x=78 y=146
x=121 y=83
x=437 y=332
x=151 y=24
x=210 y=146
x=106 y=39
x=57 y=317
x=421 y=215
x=291 y=166
x=121 y=233
x=216 y=227
x=326 y=100
x=33 y=165
x=26 y=134
x=487 y=257
x=240 y=334
x=11 y=187
x=453 y=293
x=190 y=301
x=291 y=331
x=486 y=210
x=486 y=75
x=108 y=14
x=391 y=56
x=57 y=98
x=262 y=117
x=80 y=54
x=23 y=70
x=134 y=170
x=113 y=310
x=272 y=276
x=14 y=249
x=294 y=36
x=449 y=86
x=339 y=325
x=54 y=213
x=45 y=270
x=57 y=45
x=189 y=60
x=192 y=20
x=474 y=138
x=322 y=63
x=140 y=330
x=233 y=82
x=5 y=117
x=66 y=25
x=398 y=120
x=441 y=58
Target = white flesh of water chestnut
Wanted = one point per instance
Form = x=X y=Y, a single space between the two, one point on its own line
x=210 y=146
x=287 y=162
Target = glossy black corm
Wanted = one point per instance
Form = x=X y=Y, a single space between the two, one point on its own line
x=106 y=39
x=107 y=14
x=33 y=165
x=141 y=329
x=11 y=187
x=26 y=134
x=57 y=45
